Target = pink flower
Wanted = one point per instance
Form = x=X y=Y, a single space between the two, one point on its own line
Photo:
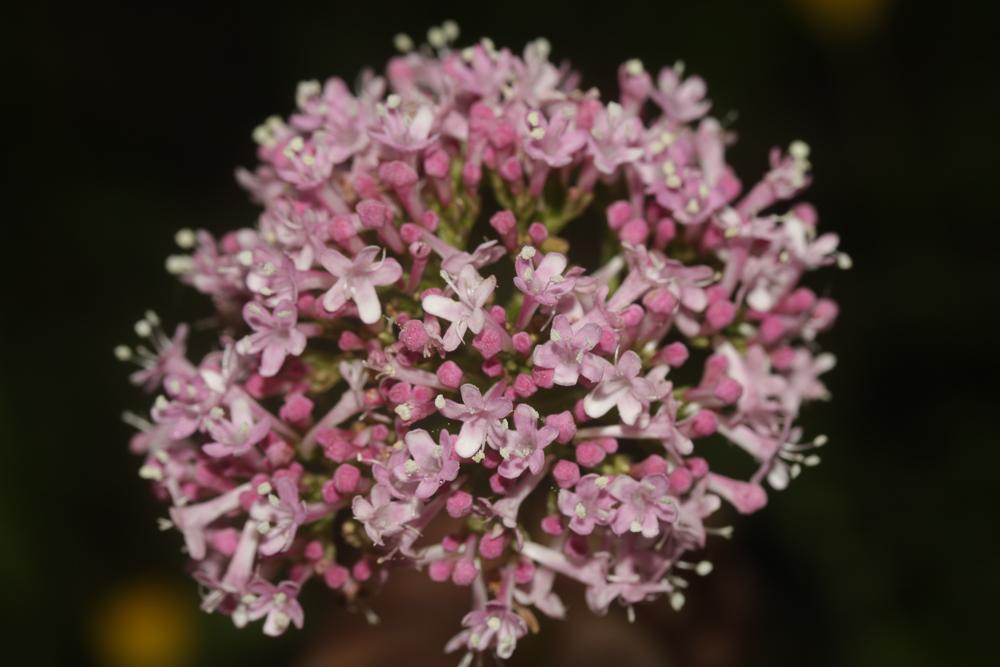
x=494 y=626
x=523 y=446
x=380 y=514
x=404 y=131
x=621 y=386
x=544 y=283
x=613 y=139
x=589 y=504
x=480 y=416
x=239 y=434
x=568 y=352
x=357 y=279
x=553 y=141
x=644 y=504
x=279 y=604
x=430 y=463
x=467 y=313
x=681 y=100
x=275 y=335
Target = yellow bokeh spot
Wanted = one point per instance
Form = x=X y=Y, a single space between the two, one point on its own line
x=144 y=624
x=845 y=16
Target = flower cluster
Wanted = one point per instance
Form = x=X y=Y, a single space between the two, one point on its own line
x=411 y=371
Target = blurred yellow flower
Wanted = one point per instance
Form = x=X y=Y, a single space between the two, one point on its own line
x=144 y=624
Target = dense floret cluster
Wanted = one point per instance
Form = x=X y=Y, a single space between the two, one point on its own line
x=412 y=370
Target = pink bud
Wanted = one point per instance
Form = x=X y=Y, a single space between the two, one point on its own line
x=660 y=301
x=503 y=222
x=589 y=454
x=373 y=213
x=654 y=464
x=698 y=466
x=493 y=367
x=410 y=233
x=634 y=231
x=524 y=386
x=552 y=525
x=297 y=409
x=704 y=424
x=674 y=354
x=492 y=546
x=543 y=377
x=680 y=481
x=465 y=572
x=720 y=314
x=728 y=390
x=566 y=473
x=772 y=329
x=537 y=233
x=488 y=343
x=335 y=576
x=632 y=315
x=449 y=374
x=430 y=220
x=314 y=550
x=510 y=169
x=346 y=478
x=618 y=214
x=350 y=342
x=564 y=422
x=522 y=343
x=459 y=504
x=436 y=163
x=440 y=570
x=362 y=570
x=472 y=173
x=413 y=336
x=397 y=174
x=329 y=492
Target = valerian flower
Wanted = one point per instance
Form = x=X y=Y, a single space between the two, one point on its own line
x=412 y=366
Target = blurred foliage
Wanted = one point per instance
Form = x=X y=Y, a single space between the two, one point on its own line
x=126 y=126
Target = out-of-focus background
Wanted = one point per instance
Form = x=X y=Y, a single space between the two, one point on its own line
x=123 y=125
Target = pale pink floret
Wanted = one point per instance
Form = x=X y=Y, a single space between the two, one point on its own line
x=480 y=416
x=523 y=446
x=275 y=335
x=237 y=435
x=621 y=386
x=467 y=313
x=568 y=352
x=645 y=504
x=429 y=463
x=357 y=279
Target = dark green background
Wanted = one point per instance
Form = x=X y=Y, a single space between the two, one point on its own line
x=123 y=125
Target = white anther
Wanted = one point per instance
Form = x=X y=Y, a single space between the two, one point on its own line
x=693 y=206
x=667 y=138
x=263 y=527
x=704 y=568
x=404 y=411
x=555 y=336
x=533 y=118
x=245 y=257
x=393 y=101
x=185 y=238
x=403 y=43
x=820 y=440
x=178 y=264
x=439 y=402
x=296 y=144
x=669 y=167
x=493 y=623
x=634 y=67
x=635 y=527
x=411 y=467
x=811 y=461
x=602 y=482
x=844 y=261
x=154 y=473
x=677 y=600
x=614 y=110
x=799 y=150
x=450 y=29
x=143 y=329
x=264 y=488
x=580 y=510
x=537 y=133
x=123 y=352
x=436 y=37
x=527 y=252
